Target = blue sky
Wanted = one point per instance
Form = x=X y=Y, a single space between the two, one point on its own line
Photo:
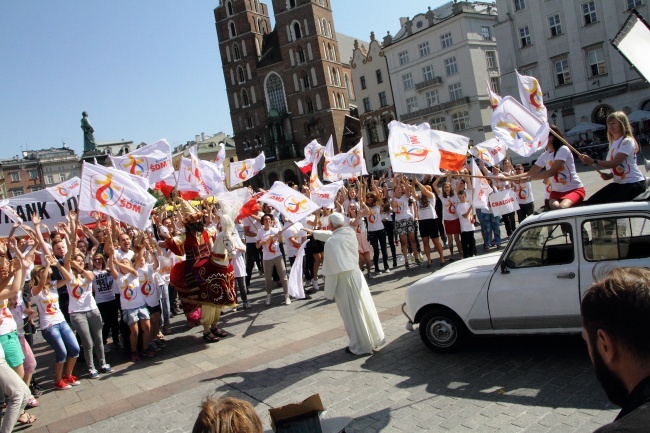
x=144 y=69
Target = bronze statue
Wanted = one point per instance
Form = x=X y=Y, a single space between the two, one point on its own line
x=89 y=138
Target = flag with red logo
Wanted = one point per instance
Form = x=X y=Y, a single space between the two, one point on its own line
x=211 y=179
x=518 y=128
x=241 y=171
x=452 y=148
x=115 y=193
x=152 y=162
x=531 y=96
x=481 y=188
x=293 y=205
x=503 y=202
x=167 y=185
x=188 y=186
x=63 y=191
x=491 y=151
x=329 y=158
x=325 y=195
x=411 y=149
x=348 y=165
x=313 y=153
x=494 y=98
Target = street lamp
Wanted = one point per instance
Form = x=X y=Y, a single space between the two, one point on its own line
x=554 y=117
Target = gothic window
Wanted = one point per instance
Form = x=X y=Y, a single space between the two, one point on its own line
x=275 y=96
x=244 y=98
x=310 y=106
x=305 y=82
x=240 y=74
x=235 y=51
x=301 y=56
x=229 y=11
x=297 y=31
x=232 y=30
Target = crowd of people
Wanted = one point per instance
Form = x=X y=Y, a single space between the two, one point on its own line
x=111 y=282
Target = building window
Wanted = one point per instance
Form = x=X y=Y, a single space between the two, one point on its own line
x=424 y=49
x=61 y=177
x=366 y=104
x=403 y=57
x=249 y=122
x=427 y=73
x=380 y=79
x=310 y=106
x=363 y=82
x=235 y=51
x=244 y=98
x=301 y=56
x=411 y=104
x=275 y=94
x=297 y=31
x=305 y=82
x=596 y=59
x=524 y=37
x=232 y=30
x=16 y=192
x=371 y=129
x=485 y=33
x=455 y=92
x=432 y=98
x=491 y=59
x=631 y=4
x=529 y=71
x=240 y=75
x=460 y=120
x=520 y=5
x=450 y=66
x=554 y=25
x=382 y=99
x=33 y=174
x=562 y=73
x=49 y=179
x=229 y=8
x=445 y=40
x=15 y=177
x=407 y=79
x=438 y=123
x=589 y=12
x=495 y=84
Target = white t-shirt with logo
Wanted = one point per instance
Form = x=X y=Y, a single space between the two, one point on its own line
x=466 y=224
x=47 y=304
x=130 y=294
x=147 y=285
x=374 y=219
x=272 y=249
x=402 y=211
x=253 y=226
x=449 y=205
x=8 y=324
x=81 y=296
x=524 y=192
x=566 y=179
x=628 y=171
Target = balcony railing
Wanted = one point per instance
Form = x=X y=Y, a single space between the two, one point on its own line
x=428 y=83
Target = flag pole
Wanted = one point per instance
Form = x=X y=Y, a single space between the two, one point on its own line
x=573 y=149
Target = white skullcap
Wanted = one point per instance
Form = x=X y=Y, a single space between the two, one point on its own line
x=337 y=219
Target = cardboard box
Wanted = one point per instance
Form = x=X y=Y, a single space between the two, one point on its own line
x=300 y=417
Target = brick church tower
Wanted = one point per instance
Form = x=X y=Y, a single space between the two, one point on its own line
x=286 y=86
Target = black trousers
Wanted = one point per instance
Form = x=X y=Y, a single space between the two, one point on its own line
x=377 y=238
x=525 y=210
x=110 y=316
x=509 y=222
x=389 y=226
x=253 y=256
x=617 y=192
x=468 y=244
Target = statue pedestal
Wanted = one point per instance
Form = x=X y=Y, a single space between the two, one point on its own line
x=91 y=156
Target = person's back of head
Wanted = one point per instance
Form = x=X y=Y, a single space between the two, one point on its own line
x=227 y=415
x=620 y=305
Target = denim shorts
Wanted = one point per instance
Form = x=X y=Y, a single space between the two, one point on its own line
x=62 y=340
x=13 y=351
x=133 y=315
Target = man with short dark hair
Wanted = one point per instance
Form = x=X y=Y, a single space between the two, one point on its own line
x=616 y=327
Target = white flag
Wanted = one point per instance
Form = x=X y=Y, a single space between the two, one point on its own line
x=329 y=159
x=411 y=149
x=531 y=96
x=326 y=194
x=503 y=202
x=494 y=98
x=293 y=205
x=10 y=212
x=115 y=193
x=349 y=164
x=518 y=128
x=481 y=188
x=152 y=162
x=210 y=180
x=188 y=186
x=241 y=171
x=63 y=191
x=313 y=154
x=490 y=152
x=294 y=286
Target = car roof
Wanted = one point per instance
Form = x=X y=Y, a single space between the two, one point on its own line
x=628 y=206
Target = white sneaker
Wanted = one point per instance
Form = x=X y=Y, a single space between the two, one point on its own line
x=268 y=300
x=314 y=284
x=287 y=300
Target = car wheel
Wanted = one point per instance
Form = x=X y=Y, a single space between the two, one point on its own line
x=443 y=331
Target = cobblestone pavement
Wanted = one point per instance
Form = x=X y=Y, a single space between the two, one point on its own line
x=283 y=354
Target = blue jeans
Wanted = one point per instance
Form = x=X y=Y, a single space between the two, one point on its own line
x=491 y=224
x=62 y=340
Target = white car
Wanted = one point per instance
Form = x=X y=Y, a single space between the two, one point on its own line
x=536 y=284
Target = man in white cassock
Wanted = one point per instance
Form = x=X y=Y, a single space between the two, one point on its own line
x=345 y=283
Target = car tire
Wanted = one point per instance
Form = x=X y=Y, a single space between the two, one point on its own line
x=442 y=330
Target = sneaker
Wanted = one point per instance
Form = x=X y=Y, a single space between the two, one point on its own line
x=93 y=374
x=32 y=402
x=445 y=245
x=268 y=300
x=387 y=271
x=107 y=348
x=72 y=380
x=287 y=300
x=106 y=368
x=420 y=257
x=62 y=384
x=247 y=305
x=135 y=357
x=370 y=276
x=314 y=284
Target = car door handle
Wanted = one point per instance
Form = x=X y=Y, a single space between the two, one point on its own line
x=569 y=275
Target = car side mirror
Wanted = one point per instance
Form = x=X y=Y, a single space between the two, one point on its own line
x=504 y=267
